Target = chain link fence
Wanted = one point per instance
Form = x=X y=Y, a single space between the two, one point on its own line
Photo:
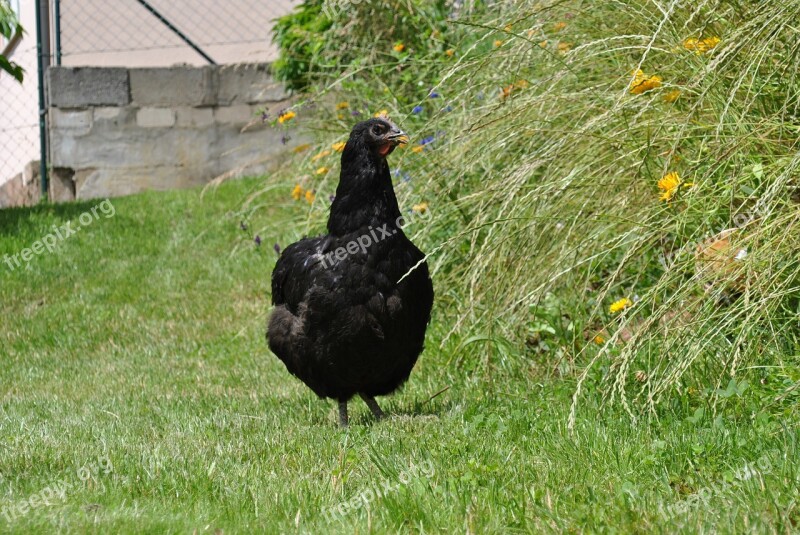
x=153 y=33
x=19 y=115
x=127 y=33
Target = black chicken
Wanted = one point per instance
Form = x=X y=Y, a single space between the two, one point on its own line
x=351 y=307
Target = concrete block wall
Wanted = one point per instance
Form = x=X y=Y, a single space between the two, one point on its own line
x=118 y=131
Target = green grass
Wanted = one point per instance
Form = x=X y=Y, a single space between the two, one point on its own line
x=136 y=351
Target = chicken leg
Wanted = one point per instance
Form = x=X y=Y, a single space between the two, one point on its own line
x=373 y=406
x=342 y=414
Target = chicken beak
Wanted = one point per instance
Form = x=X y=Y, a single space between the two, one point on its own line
x=397 y=136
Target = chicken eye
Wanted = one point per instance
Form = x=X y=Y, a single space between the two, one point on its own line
x=377 y=130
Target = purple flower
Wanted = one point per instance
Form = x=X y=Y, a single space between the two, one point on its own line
x=258 y=240
x=417 y=110
x=433 y=94
x=425 y=141
x=447 y=108
x=277 y=248
x=355 y=113
x=265 y=116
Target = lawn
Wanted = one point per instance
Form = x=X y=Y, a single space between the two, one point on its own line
x=138 y=396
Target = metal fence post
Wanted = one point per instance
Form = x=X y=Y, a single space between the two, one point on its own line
x=57 y=29
x=43 y=51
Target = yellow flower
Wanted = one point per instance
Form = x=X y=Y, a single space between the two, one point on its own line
x=620 y=305
x=382 y=113
x=286 y=116
x=701 y=45
x=708 y=43
x=508 y=28
x=668 y=185
x=310 y=196
x=672 y=96
x=322 y=170
x=342 y=105
x=599 y=340
x=417 y=148
x=558 y=26
x=543 y=44
x=320 y=155
x=641 y=82
x=399 y=47
x=297 y=192
x=300 y=148
x=339 y=147
x=449 y=52
x=564 y=47
x=498 y=43
x=420 y=208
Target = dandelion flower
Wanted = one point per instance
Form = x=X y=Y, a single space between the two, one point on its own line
x=301 y=148
x=498 y=43
x=286 y=116
x=342 y=105
x=310 y=196
x=543 y=44
x=449 y=52
x=508 y=28
x=418 y=148
x=382 y=113
x=339 y=147
x=558 y=26
x=564 y=47
x=641 y=82
x=322 y=170
x=668 y=185
x=420 y=208
x=399 y=47
x=297 y=192
x=320 y=155
x=599 y=340
x=620 y=305
x=672 y=96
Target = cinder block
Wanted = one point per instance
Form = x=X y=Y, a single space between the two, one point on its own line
x=80 y=87
x=104 y=183
x=77 y=122
x=248 y=83
x=241 y=114
x=107 y=113
x=195 y=117
x=155 y=117
x=62 y=185
x=174 y=86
